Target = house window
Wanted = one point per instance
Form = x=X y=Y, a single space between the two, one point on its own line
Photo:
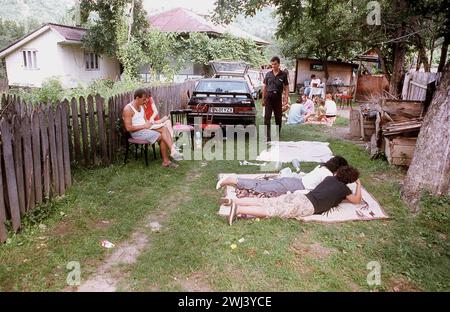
x=29 y=59
x=91 y=61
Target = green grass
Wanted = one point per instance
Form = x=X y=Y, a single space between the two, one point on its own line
x=412 y=249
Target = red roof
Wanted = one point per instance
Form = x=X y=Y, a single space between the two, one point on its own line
x=68 y=32
x=182 y=20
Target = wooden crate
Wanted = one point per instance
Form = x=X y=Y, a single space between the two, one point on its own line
x=355 y=123
x=400 y=150
x=368 y=127
x=402 y=110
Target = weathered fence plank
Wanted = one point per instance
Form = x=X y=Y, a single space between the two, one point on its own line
x=36 y=142
x=99 y=101
x=69 y=130
x=64 y=111
x=45 y=153
x=53 y=152
x=84 y=132
x=28 y=163
x=18 y=161
x=111 y=130
x=76 y=130
x=11 y=182
x=92 y=129
x=59 y=150
x=3 y=229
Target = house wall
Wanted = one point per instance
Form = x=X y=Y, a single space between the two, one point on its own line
x=74 y=68
x=343 y=71
x=65 y=62
x=48 y=62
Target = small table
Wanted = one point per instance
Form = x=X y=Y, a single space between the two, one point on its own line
x=344 y=100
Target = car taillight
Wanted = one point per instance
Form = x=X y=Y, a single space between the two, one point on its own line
x=244 y=109
x=200 y=108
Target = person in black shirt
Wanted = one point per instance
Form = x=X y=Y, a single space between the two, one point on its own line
x=328 y=194
x=275 y=84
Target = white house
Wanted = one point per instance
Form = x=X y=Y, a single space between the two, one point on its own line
x=56 y=51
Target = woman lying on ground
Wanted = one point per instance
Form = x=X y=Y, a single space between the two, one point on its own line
x=328 y=194
x=283 y=185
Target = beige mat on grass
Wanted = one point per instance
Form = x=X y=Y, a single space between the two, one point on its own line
x=303 y=151
x=368 y=210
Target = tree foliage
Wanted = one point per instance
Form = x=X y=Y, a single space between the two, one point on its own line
x=338 y=29
x=103 y=35
x=200 y=48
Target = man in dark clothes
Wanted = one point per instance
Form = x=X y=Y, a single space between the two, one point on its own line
x=328 y=194
x=275 y=83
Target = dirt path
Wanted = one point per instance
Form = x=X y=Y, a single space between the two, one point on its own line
x=343 y=132
x=110 y=274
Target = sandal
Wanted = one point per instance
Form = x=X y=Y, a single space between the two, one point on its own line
x=171 y=165
x=233 y=213
x=177 y=156
x=225 y=201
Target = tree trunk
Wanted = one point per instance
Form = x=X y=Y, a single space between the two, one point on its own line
x=395 y=85
x=383 y=63
x=433 y=41
x=418 y=62
x=325 y=67
x=444 y=52
x=423 y=58
x=430 y=167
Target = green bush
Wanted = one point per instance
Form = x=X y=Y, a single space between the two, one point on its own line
x=51 y=91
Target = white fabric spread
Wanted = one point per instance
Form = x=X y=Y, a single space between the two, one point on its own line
x=369 y=210
x=303 y=151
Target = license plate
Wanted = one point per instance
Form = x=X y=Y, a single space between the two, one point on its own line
x=221 y=109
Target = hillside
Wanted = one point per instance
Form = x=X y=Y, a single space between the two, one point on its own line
x=42 y=11
x=262 y=25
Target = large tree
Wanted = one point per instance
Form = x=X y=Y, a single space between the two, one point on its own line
x=338 y=28
x=104 y=35
x=430 y=167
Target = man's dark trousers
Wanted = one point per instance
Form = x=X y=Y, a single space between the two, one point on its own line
x=273 y=104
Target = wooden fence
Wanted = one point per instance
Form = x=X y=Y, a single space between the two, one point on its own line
x=3 y=85
x=40 y=143
x=416 y=84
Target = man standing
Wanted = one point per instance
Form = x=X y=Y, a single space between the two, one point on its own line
x=275 y=83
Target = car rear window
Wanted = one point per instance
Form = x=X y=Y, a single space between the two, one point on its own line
x=222 y=86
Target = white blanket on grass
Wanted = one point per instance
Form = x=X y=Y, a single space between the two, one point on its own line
x=303 y=151
x=368 y=210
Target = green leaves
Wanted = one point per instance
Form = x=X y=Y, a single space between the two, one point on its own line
x=199 y=48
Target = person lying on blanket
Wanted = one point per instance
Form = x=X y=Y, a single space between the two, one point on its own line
x=283 y=185
x=328 y=194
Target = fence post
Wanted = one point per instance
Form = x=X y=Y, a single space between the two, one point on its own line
x=11 y=182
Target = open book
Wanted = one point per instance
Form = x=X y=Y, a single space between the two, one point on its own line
x=157 y=126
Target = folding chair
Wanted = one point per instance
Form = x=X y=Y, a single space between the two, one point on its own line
x=139 y=144
x=179 y=119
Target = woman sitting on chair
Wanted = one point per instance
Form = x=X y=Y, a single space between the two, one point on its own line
x=161 y=125
x=152 y=114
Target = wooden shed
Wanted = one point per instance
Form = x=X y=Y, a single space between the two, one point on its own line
x=339 y=73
